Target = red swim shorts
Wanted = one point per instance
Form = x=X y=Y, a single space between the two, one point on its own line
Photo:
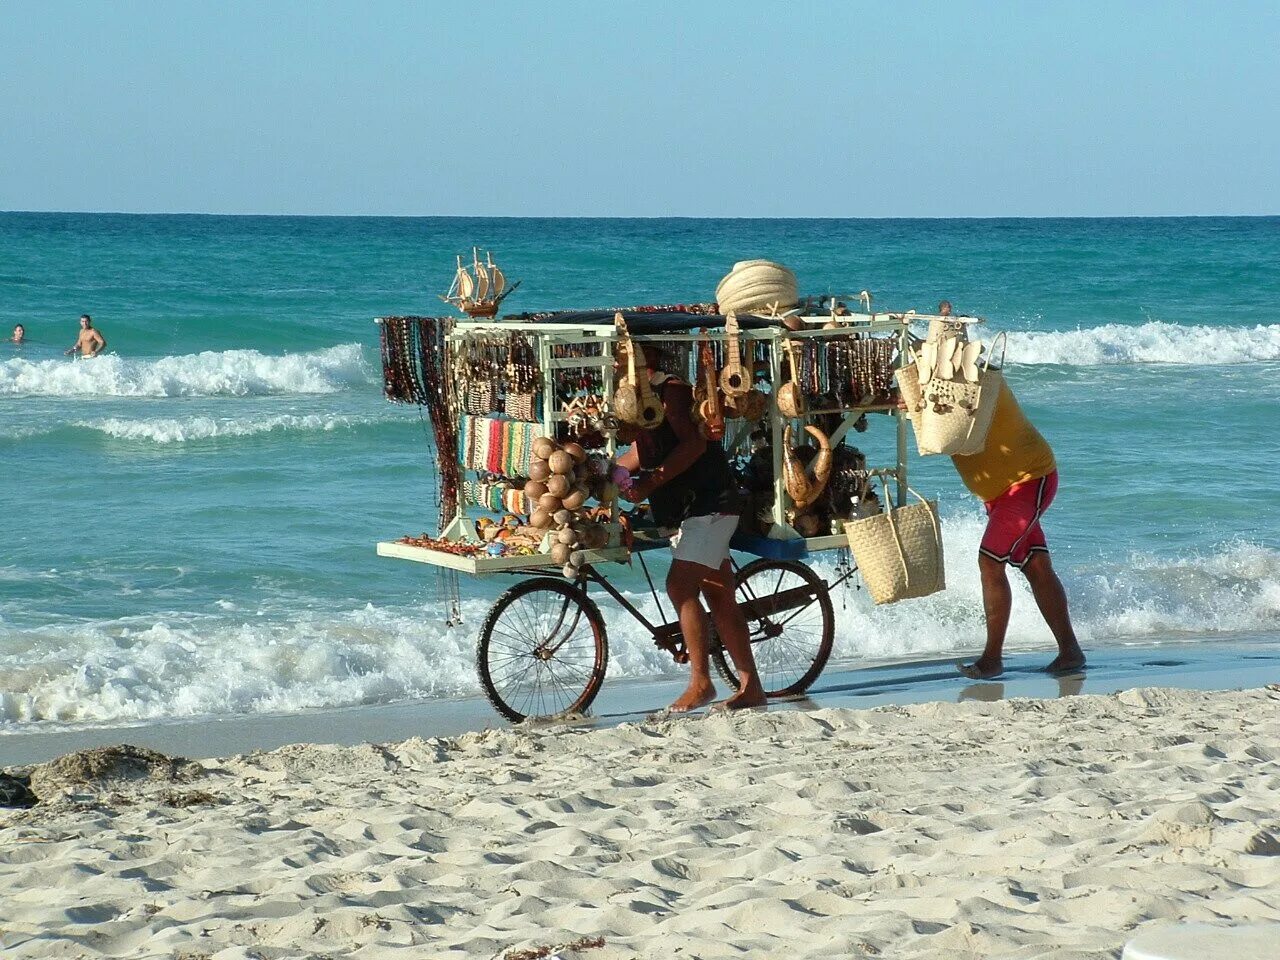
x=1013 y=521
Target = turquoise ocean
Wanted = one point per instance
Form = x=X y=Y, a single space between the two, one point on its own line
x=187 y=524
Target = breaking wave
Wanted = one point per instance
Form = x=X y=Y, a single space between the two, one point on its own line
x=181 y=665
x=236 y=373
x=172 y=430
x=1153 y=342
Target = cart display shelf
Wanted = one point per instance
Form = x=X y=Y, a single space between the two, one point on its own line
x=483 y=564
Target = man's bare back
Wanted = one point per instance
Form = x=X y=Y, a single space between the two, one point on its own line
x=90 y=342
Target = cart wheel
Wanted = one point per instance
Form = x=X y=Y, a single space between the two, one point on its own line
x=791 y=635
x=542 y=650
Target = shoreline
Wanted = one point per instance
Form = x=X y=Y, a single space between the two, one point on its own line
x=1204 y=663
x=1013 y=828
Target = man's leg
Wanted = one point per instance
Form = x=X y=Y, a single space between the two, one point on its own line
x=683 y=585
x=997 y=601
x=1051 y=598
x=717 y=587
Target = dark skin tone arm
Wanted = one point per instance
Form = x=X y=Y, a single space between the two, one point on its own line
x=678 y=405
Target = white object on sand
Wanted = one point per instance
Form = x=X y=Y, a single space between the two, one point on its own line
x=1203 y=941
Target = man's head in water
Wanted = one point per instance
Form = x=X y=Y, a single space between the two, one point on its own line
x=19 y=333
x=85 y=321
x=944 y=308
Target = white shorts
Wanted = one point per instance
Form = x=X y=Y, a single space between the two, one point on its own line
x=705 y=540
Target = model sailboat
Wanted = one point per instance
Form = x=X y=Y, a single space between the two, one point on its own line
x=477 y=290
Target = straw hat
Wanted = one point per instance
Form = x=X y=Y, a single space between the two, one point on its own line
x=757 y=286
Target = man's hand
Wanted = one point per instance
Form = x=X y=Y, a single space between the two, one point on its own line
x=638 y=490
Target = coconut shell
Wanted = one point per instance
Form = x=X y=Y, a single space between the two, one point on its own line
x=563 y=516
x=560 y=462
x=558 y=485
x=541 y=519
x=575 y=498
x=534 y=489
x=538 y=469
x=567 y=535
x=595 y=536
x=549 y=502
x=570 y=571
x=560 y=553
x=575 y=450
x=543 y=447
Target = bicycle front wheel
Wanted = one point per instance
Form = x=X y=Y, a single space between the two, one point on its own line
x=790 y=622
x=542 y=650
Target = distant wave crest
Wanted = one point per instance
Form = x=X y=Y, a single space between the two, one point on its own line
x=1153 y=342
x=175 y=430
x=235 y=373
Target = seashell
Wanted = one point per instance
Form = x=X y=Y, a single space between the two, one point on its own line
x=567 y=535
x=575 y=450
x=543 y=447
x=575 y=498
x=560 y=553
x=541 y=518
x=560 y=462
x=539 y=469
x=533 y=490
x=558 y=485
x=563 y=516
x=549 y=502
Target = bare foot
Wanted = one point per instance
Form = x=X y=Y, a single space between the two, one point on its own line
x=698 y=695
x=745 y=699
x=1066 y=664
x=981 y=669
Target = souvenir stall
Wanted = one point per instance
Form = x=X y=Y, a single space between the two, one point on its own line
x=527 y=413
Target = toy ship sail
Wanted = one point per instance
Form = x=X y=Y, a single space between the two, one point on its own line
x=478 y=289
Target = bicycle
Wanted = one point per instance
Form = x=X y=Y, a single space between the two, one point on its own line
x=543 y=649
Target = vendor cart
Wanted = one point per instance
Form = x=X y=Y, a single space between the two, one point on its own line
x=491 y=385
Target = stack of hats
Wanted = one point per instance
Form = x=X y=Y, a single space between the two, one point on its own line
x=758 y=286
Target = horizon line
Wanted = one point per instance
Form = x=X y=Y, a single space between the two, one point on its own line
x=459 y=216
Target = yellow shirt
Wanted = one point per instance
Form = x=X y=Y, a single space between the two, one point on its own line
x=1015 y=452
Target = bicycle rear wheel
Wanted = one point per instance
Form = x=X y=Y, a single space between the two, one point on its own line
x=542 y=650
x=790 y=622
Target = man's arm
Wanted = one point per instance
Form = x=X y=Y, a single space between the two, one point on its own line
x=99 y=343
x=678 y=402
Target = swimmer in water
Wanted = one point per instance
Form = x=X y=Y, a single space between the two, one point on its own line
x=19 y=334
x=90 y=343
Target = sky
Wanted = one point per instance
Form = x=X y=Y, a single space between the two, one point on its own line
x=553 y=108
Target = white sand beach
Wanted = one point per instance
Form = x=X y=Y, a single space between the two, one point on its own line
x=1020 y=828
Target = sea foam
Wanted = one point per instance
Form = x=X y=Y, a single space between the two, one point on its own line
x=209 y=374
x=1154 y=342
x=237 y=662
x=166 y=430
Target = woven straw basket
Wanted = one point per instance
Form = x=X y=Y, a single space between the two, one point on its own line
x=962 y=429
x=899 y=553
x=992 y=383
